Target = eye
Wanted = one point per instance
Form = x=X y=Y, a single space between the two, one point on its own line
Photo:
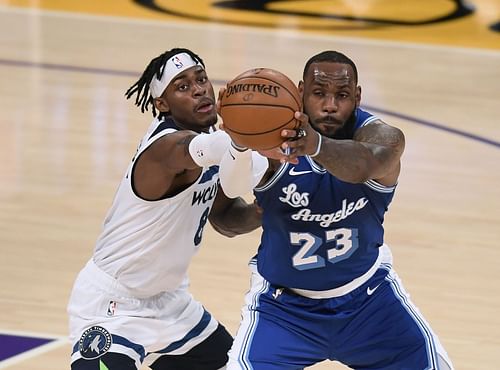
x=203 y=79
x=182 y=87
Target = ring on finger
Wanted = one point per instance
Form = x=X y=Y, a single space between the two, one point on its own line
x=301 y=133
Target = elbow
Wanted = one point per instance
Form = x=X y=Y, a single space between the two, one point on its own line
x=363 y=176
x=227 y=233
x=358 y=175
x=223 y=230
x=357 y=179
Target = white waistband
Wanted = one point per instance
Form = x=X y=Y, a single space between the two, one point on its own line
x=384 y=256
x=108 y=283
x=104 y=281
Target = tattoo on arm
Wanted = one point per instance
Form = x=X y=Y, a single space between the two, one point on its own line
x=184 y=142
x=380 y=134
x=374 y=151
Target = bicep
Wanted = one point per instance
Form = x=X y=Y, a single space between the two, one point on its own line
x=172 y=151
x=160 y=163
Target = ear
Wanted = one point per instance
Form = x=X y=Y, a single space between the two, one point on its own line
x=161 y=104
x=358 y=96
x=301 y=87
x=301 y=92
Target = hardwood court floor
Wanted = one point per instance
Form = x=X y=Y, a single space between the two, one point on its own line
x=67 y=134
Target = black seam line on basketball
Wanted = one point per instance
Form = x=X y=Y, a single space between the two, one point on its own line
x=257 y=133
x=268 y=79
x=257 y=105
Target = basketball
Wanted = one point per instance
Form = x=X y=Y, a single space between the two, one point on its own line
x=257 y=105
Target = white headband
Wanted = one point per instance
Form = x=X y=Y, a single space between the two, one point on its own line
x=173 y=66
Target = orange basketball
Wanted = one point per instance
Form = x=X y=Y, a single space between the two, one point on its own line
x=257 y=105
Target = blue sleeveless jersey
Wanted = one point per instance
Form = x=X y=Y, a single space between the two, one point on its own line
x=319 y=232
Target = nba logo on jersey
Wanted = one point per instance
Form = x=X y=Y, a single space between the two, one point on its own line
x=94 y=342
x=177 y=62
x=111 y=308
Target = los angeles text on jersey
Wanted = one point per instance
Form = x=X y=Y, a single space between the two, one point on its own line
x=297 y=199
x=327 y=219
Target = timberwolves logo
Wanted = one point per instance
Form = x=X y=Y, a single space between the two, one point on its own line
x=94 y=342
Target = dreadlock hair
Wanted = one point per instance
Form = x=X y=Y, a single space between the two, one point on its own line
x=154 y=68
x=332 y=57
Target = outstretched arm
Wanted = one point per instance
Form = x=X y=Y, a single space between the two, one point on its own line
x=373 y=154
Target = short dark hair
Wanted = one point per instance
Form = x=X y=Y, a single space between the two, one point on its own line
x=155 y=67
x=332 y=57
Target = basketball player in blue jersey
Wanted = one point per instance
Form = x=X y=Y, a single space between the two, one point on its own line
x=323 y=286
x=130 y=304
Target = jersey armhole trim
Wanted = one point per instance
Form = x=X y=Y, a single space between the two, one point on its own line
x=315 y=166
x=369 y=120
x=372 y=184
x=274 y=178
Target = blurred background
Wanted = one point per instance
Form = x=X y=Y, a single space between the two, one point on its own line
x=67 y=134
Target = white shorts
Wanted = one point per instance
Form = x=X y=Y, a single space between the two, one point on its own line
x=143 y=329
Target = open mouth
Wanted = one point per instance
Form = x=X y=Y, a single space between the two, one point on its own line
x=205 y=106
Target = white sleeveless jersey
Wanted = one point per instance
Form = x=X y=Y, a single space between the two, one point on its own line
x=147 y=245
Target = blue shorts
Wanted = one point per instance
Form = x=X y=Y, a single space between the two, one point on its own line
x=375 y=326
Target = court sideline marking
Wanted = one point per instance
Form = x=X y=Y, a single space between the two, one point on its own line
x=57 y=341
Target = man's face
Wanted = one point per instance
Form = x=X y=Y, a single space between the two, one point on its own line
x=190 y=100
x=330 y=95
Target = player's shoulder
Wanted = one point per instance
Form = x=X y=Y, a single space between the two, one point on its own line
x=372 y=128
x=366 y=118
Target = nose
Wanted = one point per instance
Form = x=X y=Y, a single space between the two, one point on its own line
x=330 y=104
x=199 y=89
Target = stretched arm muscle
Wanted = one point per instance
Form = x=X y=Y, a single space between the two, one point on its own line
x=374 y=153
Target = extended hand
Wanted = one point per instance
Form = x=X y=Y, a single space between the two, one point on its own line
x=304 y=140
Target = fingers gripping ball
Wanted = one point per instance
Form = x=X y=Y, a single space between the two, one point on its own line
x=257 y=105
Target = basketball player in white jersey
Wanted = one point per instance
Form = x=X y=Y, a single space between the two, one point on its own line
x=130 y=304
